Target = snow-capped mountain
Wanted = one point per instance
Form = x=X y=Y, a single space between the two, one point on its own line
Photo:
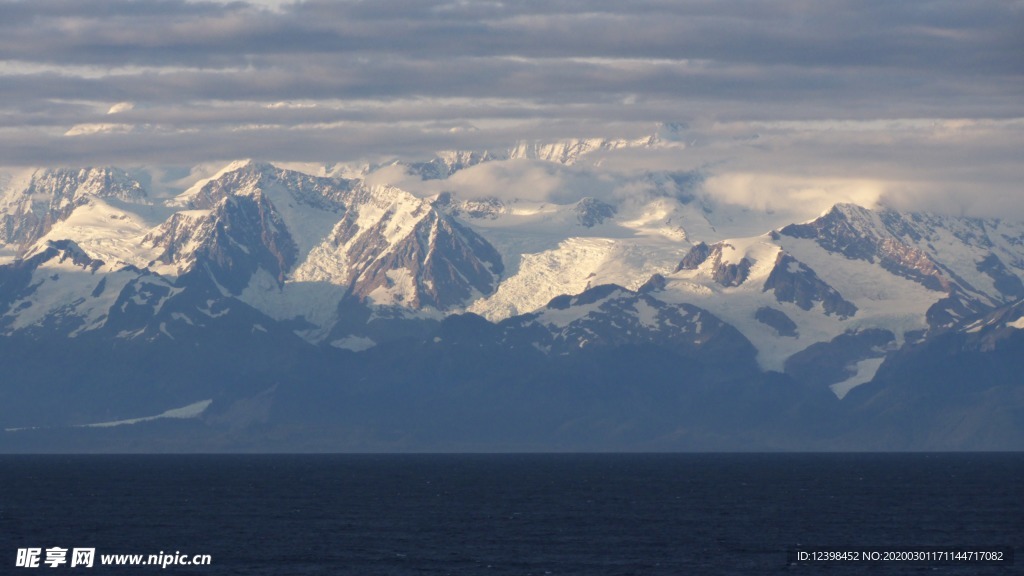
x=295 y=246
x=609 y=316
x=31 y=210
x=349 y=265
x=565 y=152
x=852 y=271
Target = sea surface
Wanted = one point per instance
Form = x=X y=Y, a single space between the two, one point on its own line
x=592 y=514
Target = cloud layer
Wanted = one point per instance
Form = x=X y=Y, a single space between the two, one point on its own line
x=835 y=89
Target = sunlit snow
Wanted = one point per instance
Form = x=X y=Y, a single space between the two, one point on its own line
x=194 y=410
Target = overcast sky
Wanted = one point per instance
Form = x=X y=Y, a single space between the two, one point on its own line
x=918 y=97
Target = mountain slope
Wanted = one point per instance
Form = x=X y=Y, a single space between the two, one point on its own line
x=51 y=196
x=365 y=304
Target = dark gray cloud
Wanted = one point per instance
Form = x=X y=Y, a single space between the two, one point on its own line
x=366 y=40
x=977 y=37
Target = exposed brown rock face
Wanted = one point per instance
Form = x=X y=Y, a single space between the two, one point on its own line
x=855 y=233
x=445 y=260
x=726 y=274
x=795 y=282
x=52 y=195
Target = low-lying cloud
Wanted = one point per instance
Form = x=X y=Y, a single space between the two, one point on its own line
x=908 y=102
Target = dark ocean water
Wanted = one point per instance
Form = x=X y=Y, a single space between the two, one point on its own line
x=509 y=514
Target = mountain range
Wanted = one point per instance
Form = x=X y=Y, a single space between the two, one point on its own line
x=266 y=307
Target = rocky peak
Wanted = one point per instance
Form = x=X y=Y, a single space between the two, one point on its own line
x=488 y=208
x=234 y=239
x=64 y=250
x=73 y=184
x=656 y=283
x=848 y=229
x=726 y=273
x=439 y=263
x=731 y=274
x=608 y=315
x=250 y=177
x=883 y=236
x=794 y=281
x=570 y=151
x=591 y=212
x=447 y=163
x=52 y=195
x=698 y=253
